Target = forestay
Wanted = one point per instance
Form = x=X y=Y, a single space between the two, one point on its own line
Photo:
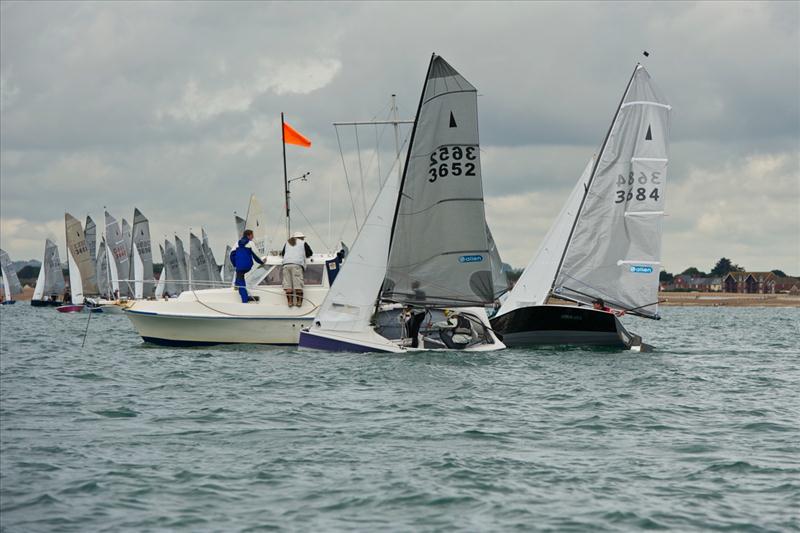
x=536 y=281
x=615 y=249
x=439 y=253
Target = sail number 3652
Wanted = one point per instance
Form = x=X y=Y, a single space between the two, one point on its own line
x=639 y=193
x=452 y=161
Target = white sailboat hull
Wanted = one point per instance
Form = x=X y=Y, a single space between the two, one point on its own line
x=370 y=341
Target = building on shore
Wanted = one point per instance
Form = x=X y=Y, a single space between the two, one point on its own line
x=749 y=282
x=685 y=282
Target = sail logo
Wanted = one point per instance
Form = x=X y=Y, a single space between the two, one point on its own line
x=470 y=259
x=641 y=269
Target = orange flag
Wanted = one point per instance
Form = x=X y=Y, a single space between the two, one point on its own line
x=292 y=136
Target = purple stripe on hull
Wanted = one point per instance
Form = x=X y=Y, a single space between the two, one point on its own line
x=316 y=342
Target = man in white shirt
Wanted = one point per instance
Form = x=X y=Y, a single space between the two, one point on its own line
x=295 y=252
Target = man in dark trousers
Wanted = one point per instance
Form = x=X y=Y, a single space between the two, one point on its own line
x=242 y=258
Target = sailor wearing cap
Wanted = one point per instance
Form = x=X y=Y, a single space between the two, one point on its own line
x=294 y=253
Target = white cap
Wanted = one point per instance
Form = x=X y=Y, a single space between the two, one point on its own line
x=298 y=235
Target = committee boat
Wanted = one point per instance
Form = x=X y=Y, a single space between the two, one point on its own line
x=603 y=252
x=420 y=270
x=198 y=317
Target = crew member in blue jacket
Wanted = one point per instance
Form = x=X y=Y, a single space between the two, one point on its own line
x=242 y=258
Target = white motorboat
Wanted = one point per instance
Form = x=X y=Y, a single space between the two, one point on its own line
x=218 y=316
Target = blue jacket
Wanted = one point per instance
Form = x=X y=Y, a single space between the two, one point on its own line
x=243 y=256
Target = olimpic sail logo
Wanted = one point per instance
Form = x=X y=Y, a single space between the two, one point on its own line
x=641 y=269
x=470 y=259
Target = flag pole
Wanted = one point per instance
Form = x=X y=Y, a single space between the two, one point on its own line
x=285 y=178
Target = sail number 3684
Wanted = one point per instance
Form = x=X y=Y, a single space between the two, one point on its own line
x=452 y=161
x=639 y=193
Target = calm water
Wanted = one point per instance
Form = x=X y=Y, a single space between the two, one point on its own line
x=703 y=434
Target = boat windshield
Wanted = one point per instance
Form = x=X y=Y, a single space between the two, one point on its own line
x=312 y=276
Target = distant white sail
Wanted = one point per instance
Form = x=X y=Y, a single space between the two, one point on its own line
x=51 y=276
x=161 y=285
x=213 y=268
x=228 y=272
x=90 y=232
x=103 y=270
x=11 y=284
x=199 y=263
x=240 y=226
x=256 y=221
x=184 y=276
x=172 y=267
x=119 y=251
x=81 y=266
x=142 y=250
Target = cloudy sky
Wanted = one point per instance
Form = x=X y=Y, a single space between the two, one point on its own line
x=175 y=109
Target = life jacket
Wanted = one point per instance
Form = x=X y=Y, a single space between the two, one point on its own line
x=242 y=256
x=295 y=255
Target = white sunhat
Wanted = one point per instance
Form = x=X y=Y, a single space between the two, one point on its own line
x=298 y=235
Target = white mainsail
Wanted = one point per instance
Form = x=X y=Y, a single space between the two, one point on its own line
x=614 y=252
x=119 y=251
x=213 y=269
x=536 y=281
x=11 y=284
x=256 y=221
x=199 y=263
x=142 y=253
x=81 y=266
x=228 y=272
x=351 y=300
x=184 y=268
x=50 y=281
x=240 y=226
x=103 y=271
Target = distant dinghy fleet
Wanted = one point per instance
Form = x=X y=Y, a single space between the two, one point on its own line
x=423 y=272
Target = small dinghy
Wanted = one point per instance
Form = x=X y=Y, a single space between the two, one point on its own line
x=69 y=308
x=50 y=282
x=604 y=250
x=420 y=270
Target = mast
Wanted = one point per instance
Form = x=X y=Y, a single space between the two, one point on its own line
x=591 y=176
x=285 y=179
x=397 y=138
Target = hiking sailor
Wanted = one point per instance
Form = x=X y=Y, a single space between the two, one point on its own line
x=294 y=253
x=242 y=258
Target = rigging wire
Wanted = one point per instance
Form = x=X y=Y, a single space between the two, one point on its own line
x=311 y=226
x=361 y=173
x=346 y=176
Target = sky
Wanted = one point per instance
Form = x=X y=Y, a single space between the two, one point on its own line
x=174 y=108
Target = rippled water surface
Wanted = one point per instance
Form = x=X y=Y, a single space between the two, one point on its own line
x=702 y=434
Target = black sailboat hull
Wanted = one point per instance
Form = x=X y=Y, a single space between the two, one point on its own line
x=558 y=324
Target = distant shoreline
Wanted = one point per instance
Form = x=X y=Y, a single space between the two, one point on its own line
x=727 y=299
